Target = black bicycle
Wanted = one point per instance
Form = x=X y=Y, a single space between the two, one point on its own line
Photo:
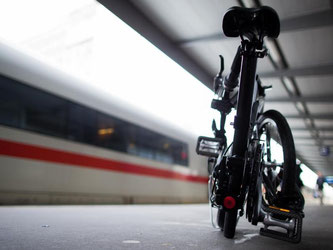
x=256 y=174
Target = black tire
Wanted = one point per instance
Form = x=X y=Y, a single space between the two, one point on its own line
x=220 y=218
x=230 y=223
x=272 y=125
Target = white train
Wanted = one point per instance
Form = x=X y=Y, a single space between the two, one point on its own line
x=62 y=142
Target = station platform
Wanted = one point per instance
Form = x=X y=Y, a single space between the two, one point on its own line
x=145 y=227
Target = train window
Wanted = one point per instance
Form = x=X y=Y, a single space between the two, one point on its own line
x=10 y=109
x=44 y=114
x=126 y=137
x=81 y=124
x=25 y=107
x=31 y=109
x=111 y=133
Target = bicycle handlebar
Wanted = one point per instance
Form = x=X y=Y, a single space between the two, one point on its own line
x=231 y=81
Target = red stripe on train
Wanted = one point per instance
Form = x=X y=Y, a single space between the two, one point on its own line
x=28 y=151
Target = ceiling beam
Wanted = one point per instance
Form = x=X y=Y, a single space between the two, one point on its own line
x=309 y=21
x=313 y=20
x=311 y=138
x=207 y=38
x=328 y=98
x=321 y=162
x=319 y=157
x=131 y=15
x=306 y=71
x=318 y=160
x=313 y=116
x=306 y=146
x=316 y=157
x=318 y=128
x=301 y=145
x=303 y=137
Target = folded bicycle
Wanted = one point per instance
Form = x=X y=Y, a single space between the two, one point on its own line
x=254 y=175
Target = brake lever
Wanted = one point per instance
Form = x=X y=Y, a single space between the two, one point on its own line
x=218 y=79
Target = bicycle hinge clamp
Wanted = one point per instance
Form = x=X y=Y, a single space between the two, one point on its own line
x=253 y=48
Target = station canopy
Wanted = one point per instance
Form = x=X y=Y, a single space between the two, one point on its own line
x=299 y=65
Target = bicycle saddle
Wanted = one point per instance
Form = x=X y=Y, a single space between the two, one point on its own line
x=250 y=22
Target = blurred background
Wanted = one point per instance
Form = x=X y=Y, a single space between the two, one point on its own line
x=93 y=113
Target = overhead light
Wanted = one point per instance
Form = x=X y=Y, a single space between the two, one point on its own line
x=314 y=133
x=300 y=107
x=289 y=85
x=325 y=151
x=308 y=121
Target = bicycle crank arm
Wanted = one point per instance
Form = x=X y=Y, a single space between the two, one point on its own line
x=289 y=220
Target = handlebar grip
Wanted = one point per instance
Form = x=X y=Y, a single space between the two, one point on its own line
x=231 y=81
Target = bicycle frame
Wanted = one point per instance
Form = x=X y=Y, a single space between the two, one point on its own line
x=242 y=121
x=245 y=101
x=247 y=104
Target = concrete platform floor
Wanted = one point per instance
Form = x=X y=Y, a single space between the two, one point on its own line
x=144 y=227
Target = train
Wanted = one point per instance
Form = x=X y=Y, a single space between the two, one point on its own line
x=63 y=142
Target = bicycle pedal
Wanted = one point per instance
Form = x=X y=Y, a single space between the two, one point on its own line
x=289 y=220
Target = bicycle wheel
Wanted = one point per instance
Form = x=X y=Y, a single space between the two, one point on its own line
x=279 y=161
x=230 y=222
